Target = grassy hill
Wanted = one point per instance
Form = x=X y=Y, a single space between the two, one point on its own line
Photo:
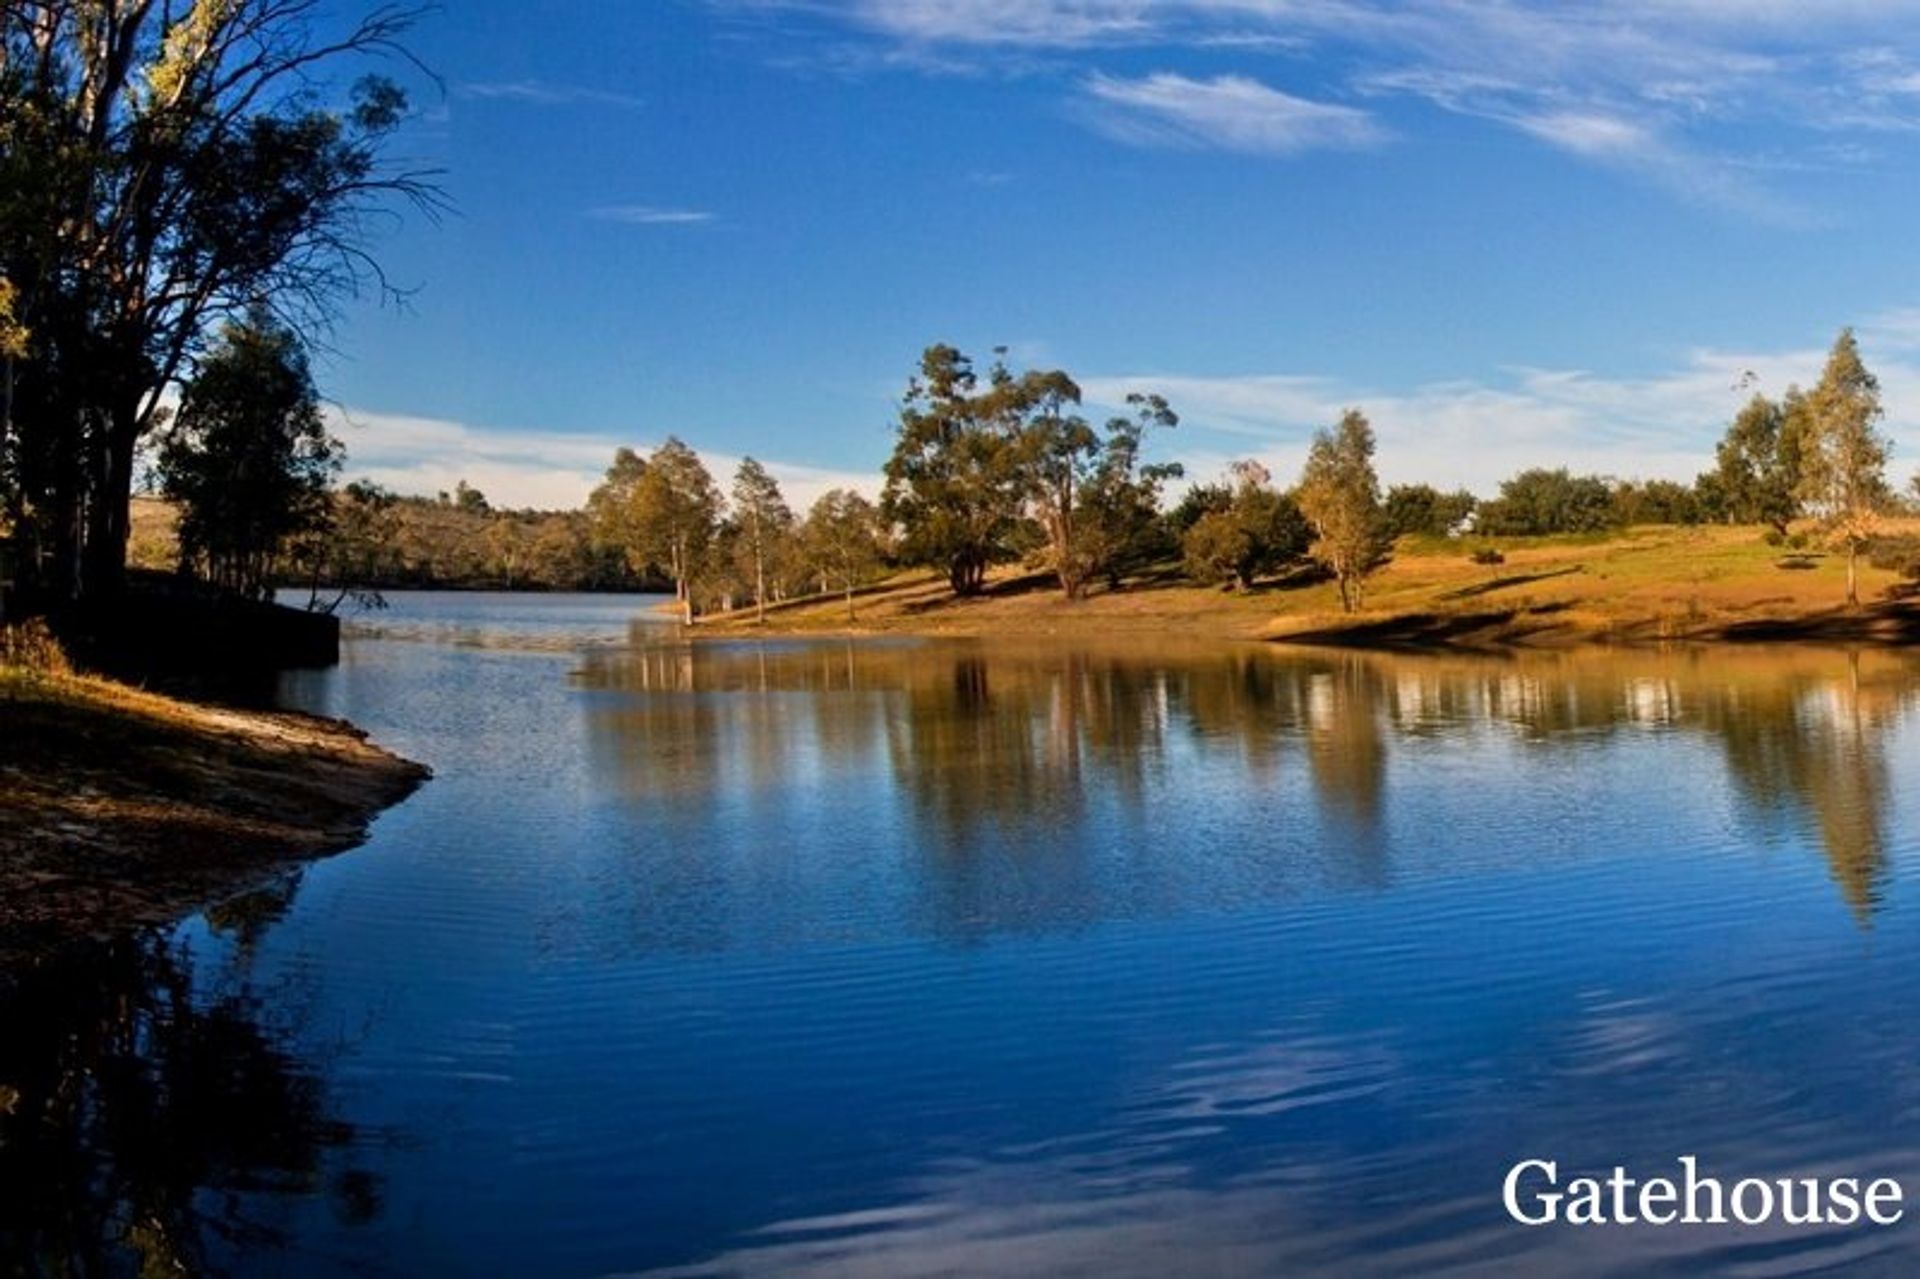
x=1644 y=584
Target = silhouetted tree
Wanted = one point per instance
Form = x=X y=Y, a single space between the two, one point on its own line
x=165 y=167
x=248 y=457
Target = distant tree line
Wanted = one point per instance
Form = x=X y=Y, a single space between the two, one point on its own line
x=665 y=514
x=377 y=540
x=988 y=469
x=1002 y=467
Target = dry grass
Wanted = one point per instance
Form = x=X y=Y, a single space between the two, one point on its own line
x=120 y=806
x=1649 y=584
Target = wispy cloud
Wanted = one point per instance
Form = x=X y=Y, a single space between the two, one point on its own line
x=649 y=215
x=1664 y=90
x=1231 y=112
x=551 y=470
x=545 y=93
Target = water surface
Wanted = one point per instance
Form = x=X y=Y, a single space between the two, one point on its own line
x=897 y=958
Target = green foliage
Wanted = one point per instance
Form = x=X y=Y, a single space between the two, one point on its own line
x=248 y=458
x=1339 y=494
x=1119 y=525
x=976 y=471
x=1895 y=555
x=1255 y=532
x=1539 y=502
x=1756 y=476
x=1655 y=502
x=842 y=542
x=763 y=524
x=1199 y=500
x=1421 y=509
x=1057 y=451
x=674 y=517
x=1843 y=458
x=957 y=480
x=378 y=541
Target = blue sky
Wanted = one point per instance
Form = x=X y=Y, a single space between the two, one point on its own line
x=1514 y=234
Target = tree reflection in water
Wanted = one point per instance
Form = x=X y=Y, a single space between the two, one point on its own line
x=153 y=1119
x=1010 y=742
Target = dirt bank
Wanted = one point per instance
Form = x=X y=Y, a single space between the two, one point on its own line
x=120 y=807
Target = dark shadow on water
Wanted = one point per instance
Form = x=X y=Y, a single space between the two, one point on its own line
x=154 y=1119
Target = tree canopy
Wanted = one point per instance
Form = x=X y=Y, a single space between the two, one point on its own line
x=248 y=457
x=1340 y=496
x=1843 y=456
x=165 y=169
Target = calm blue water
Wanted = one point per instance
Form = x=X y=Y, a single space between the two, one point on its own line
x=897 y=958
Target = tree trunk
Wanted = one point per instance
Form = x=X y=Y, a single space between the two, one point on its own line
x=1853 y=581
x=967 y=573
x=759 y=586
x=104 y=571
x=850 y=599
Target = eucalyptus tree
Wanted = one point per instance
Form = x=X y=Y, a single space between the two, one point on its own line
x=1756 y=475
x=1844 y=456
x=1060 y=451
x=1119 y=517
x=247 y=458
x=1424 y=509
x=1340 y=496
x=765 y=523
x=165 y=166
x=674 y=517
x=610 y=507
x=1243 y=530
x=957 y=481
x=842 y=538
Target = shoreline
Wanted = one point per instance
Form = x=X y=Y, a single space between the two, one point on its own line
x=122 y=809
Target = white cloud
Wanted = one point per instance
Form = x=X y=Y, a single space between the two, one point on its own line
x=1228 y=111
x=648 y=215
x=1470 y=432
x=1476 y=433
x=550 y=470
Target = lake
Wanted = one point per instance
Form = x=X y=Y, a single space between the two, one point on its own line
x=890 y=957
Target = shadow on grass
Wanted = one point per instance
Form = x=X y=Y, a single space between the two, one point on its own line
x=1488 y=630
x=1512 y=579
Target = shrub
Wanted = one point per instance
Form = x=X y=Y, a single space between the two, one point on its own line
x=1896 y=554
x=1540 y=502
x=1488 y=555
x=30 y=647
